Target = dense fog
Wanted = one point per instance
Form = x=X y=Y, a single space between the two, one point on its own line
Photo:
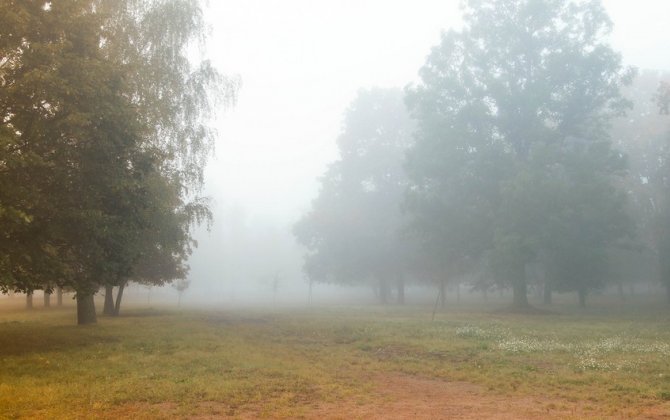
x=301 y=64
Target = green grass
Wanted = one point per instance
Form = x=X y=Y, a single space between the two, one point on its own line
x=150 y=362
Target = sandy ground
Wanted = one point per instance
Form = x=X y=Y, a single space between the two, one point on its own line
x=408 y=397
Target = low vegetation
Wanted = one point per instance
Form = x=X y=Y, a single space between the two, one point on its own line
x=303 y=363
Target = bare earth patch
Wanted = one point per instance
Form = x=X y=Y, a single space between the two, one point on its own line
x=398 y=396
x=406 y=397
x=403 y=396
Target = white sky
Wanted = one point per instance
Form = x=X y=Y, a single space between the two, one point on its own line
x=301 y=63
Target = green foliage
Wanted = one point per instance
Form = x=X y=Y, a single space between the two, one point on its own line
x=512 y=155
x=353 y=229
x=644 y=135
x=104 y=137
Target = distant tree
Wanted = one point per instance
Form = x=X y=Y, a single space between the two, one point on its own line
x=501 y=106
x=643 y=136
x=180 y=286
x=352 y=232
x=662 y=199
x=663 y=96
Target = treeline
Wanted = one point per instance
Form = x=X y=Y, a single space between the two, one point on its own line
x=103 y=140
x=526 y=153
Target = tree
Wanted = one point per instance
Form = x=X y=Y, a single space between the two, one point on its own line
x=98 y=98
x=180 y=286
x=662 y=200
x=501 y=104
x=643 y=136
x=352 y=231
x=164 y=242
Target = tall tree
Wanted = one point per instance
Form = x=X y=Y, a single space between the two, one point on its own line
x=643 y=136
x=500 y=105
x=662 y=200
x=352 y=230
x=98 y=97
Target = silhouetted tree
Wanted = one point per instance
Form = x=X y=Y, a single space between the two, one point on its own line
x=352 y=231
x=510 y=109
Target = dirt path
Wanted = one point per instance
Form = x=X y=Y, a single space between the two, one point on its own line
x=408 y=397
x=397 y=396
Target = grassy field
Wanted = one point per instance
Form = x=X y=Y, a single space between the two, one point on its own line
x=336 y=362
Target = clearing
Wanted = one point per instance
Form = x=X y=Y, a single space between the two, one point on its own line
x=336 y=362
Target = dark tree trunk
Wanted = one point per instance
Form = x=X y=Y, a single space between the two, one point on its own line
x=119 y=295
x=59 y=296
x=29 y=300
x=547 y=294
x=520 y=292
x=401 y=289
x=384 y=290
x=108 y=309
x=47 y=299
x=86 y=309
x=582 y=297
x=443 y=293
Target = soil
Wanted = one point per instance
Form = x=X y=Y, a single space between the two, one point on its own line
x=398 y=396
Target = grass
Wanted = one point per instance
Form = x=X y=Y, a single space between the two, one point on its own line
x=283 y=363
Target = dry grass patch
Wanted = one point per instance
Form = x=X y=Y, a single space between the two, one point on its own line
x=348 y=362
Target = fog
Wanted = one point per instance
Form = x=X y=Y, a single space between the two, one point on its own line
x=301 y=64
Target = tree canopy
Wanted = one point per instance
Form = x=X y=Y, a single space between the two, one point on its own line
x=352 y=231
x=103 y=130
x=513 y=113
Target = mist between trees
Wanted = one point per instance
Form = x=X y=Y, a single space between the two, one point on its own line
x=526 y=156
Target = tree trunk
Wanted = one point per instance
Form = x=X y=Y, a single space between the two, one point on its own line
x=520 y=292
x=547 y=294
x=401 y=289
x=383 y=290
x=108 y=309
x=59 y=296
x=119 y=295
x=443 y=293
x=86 y=309
x=47 y=299
x=29 y=300
x=582 y=297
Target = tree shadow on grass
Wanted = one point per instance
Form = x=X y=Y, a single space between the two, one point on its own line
x=19 y=339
